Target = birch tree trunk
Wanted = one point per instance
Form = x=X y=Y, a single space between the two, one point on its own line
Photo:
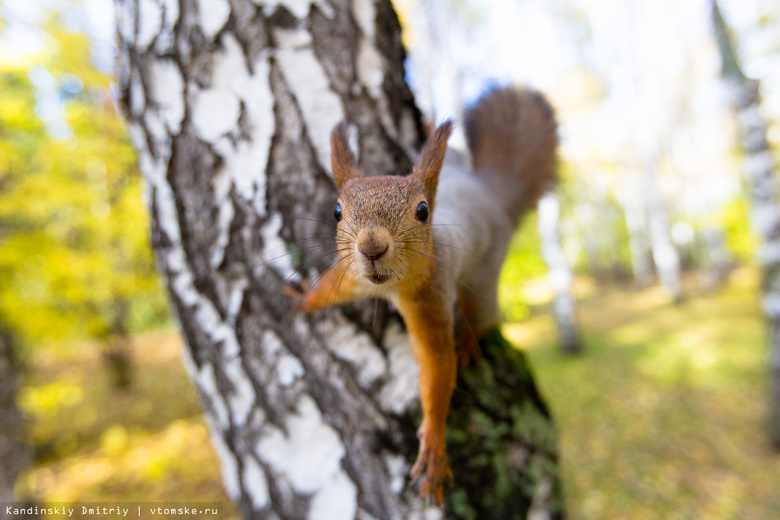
x=715 y=257
x=636 y=222
x=667 y=261
x=230 y=105
x=559 y=273
x=759 y=170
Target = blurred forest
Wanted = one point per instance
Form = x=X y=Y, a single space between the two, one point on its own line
x=75 y=260
x=663 y=413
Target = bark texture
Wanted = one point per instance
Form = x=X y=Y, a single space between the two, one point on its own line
x=759 y=171
x=230 y=105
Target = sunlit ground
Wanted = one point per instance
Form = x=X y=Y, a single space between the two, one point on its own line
x=660 y=418
x=98 y=444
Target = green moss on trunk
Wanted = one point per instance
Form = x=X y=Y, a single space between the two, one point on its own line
x=501 y=440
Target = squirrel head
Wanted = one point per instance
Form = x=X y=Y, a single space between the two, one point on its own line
x=384 y=222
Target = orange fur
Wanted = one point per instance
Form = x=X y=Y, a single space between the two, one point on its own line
x=431 y=160
x=337 y=285
x=342 y=160
x=430 y=330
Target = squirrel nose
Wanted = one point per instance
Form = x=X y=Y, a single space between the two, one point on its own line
x=372 y=250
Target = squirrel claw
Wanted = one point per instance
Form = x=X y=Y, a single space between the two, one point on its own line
x=434 y=470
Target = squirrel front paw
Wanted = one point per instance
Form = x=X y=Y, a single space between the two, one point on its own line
x=301 y=297
x=433 y=467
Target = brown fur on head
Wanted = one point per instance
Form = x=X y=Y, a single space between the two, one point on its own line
x=385 y=225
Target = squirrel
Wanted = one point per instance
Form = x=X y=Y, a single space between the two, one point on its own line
x=433 y=242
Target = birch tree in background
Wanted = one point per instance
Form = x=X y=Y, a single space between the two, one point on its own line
x=434 y=66
x=14 y=454
x=633 y=202
x=759 y=168
x=10 y=421
x=559 y=273
x=665 y=257
x=648 y=123
x=420 y=62
x=230 y=104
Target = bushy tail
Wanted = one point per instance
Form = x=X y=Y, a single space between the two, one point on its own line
x=512 y=135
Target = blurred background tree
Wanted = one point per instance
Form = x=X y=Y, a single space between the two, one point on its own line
x=75 y=259
x=761 y=178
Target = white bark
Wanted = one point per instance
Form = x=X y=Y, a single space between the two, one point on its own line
x=667 y=261
x=636 y=221
x=559 y=273
x=759 y=171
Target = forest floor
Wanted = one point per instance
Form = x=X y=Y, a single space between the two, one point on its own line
x=96 y=443
x=661 y=416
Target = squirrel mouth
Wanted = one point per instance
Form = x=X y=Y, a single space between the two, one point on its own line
x=377 y=279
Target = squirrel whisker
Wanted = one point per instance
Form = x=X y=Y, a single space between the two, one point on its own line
x=269 y=260
x=468 y=286
x=329 y=224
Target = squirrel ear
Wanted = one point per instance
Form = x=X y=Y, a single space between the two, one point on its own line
x=342 y=160
x=432 y=158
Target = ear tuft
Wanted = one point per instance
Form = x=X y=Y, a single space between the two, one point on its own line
x=342 y=160
x=432 y=158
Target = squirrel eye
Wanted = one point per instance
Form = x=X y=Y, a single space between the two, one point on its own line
x=422 y=212
x=337 y=213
